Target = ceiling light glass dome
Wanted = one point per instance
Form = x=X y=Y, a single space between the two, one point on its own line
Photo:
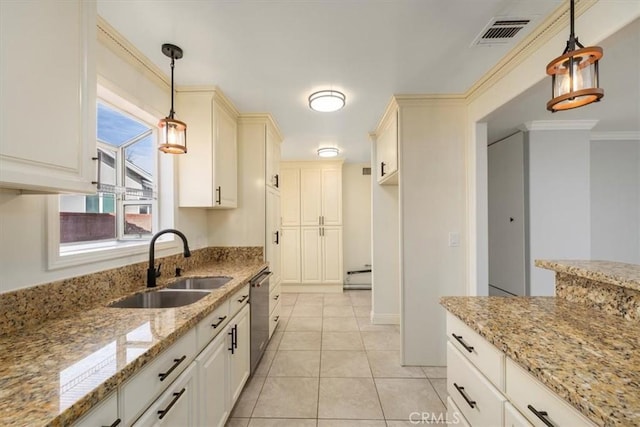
x=327 y=101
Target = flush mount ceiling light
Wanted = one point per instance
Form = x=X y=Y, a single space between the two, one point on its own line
x=328 y=152
x=173 y=133
x=574 y=74
x=326 y=101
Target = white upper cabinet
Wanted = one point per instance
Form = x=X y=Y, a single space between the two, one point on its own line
x=48 y=95
x=386 y=140
x=208 y=175
x=272 y=174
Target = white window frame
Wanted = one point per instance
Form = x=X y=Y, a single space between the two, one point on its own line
x=93 y=252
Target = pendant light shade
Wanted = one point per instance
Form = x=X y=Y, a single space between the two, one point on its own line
x=326 y=101
x=173 y=133
x=574 y=75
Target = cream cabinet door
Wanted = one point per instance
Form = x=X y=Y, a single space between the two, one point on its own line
x=273 y=237
x=290 y=194
x=272 y=177
x=290 y=255
x=240 y=355
x=310 y=196
x=213 y=397
x=225 y=176
x=331 y=238
x=311 y=254
x=105 y=414
x=48 y=95
x=387 y=151
x=331 y=213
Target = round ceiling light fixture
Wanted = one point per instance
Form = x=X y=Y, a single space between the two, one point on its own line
x=328 y=152
x=327 y=101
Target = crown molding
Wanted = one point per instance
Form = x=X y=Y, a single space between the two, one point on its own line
x=261 y=118
x=616 y=136
x=558 y=125
x=114 y=41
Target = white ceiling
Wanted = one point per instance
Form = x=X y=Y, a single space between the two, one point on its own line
x=619 y=110
x=268 y=56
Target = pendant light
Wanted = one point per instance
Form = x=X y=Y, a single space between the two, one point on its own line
x=574 y=74
x=173 y=133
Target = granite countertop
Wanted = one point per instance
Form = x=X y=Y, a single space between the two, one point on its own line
x=589 y=358
x=55 y=373
x=614 y=273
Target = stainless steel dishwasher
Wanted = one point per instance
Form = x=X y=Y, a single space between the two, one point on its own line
x=259 y=302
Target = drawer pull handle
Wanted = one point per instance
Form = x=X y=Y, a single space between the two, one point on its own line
x=471 y=403
x=275 y=319
x=176 y=362
x=464 y=344
x=176 y=396
x=115 y=423
x=542 y=415
x=244 y=297
x=220 y=320
x=276 y=297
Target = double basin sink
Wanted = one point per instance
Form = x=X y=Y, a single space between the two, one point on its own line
x=182 y=292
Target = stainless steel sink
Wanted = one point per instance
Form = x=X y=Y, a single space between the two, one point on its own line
x=208 y=283
x=160 y=299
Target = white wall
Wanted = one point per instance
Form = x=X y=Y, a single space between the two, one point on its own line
x=559 y=201
x=356 y=217
x=615 y=201
x=23 y=218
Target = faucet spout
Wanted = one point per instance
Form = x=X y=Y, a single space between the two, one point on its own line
x=152 y=273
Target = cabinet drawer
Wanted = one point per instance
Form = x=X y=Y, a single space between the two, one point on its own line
x=238 y=300
x=478 y=400
x=454 y=416
x=211 y=325
x=528 y=395
x=274 y=297
x=488 y=359
x=274 y=319
x=513 y=417
x=105 y=414
x=137 y=393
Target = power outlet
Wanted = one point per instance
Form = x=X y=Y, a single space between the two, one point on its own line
x=454 y=239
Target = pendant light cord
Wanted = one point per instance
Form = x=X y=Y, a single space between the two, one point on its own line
x=171 y=113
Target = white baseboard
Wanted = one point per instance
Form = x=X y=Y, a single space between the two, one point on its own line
x=385 y=319
x=311 y=287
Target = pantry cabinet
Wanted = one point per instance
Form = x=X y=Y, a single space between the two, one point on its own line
x=386 y=141
x=47 y=142
x=208 y=172
x=312 y=258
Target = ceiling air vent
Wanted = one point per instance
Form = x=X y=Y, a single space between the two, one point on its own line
x=500 y=31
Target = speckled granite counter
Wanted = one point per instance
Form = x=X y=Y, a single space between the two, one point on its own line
x=589 y=358
x=613 y=273
x=43 y=370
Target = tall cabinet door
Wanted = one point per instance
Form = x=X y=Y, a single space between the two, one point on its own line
x=240 y=358
x=273 y=234
x=225 y=158
x=311 y=254
x=331 y=254
x=272 y=158
x=331 y=192
x=290 y=255
x=310 y=196
x=290 y=193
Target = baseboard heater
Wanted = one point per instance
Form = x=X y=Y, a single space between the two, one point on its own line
x=363 y=286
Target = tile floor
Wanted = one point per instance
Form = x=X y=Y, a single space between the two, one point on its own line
x=328 y=366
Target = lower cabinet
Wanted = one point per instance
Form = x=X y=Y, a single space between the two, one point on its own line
x=105 y=414
x=223 y=369
x=176 y=406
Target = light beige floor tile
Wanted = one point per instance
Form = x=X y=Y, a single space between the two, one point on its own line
x=428 y=420
x=237 y=422
x=366 y=326
x=351 y=423
x=336 y=299
x=247 y=400
x=307 y=310
x=401 y=397
x=341 y=341
x=274 y=342
x=285 y=310
x=386 y=364
x=338 y=311
x=288 y=398
x=296 y=363
x=359 y=300
x=300 y=341
x=362 y=310
x=348 y=398
x=282 y=422
x=288 y=298
x=441 y=388
x=381 y=340
x=435 y=371
x=344 y=364
x=339 y=324
x=304 y=324
x=265 y=363
x=310 y=298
